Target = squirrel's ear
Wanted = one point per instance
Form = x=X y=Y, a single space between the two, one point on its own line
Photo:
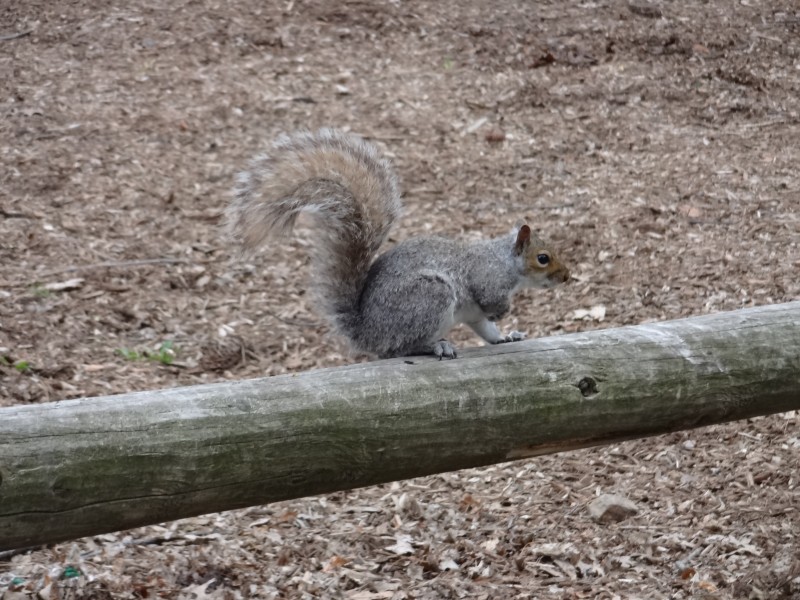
x=523 y=239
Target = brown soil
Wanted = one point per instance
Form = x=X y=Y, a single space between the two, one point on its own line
x=655 y=143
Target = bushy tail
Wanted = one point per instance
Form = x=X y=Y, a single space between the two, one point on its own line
x=342 y=180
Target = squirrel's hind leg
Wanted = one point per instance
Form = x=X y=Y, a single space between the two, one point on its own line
x=411 y=316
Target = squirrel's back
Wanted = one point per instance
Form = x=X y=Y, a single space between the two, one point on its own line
x=342 y=180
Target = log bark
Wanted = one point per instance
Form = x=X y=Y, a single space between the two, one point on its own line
x=81 y=467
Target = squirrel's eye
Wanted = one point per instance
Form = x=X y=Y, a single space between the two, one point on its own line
x=543 y=259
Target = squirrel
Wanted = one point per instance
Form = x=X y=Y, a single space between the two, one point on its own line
x=404 y=301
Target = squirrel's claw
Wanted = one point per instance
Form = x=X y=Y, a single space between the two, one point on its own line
x=444 y=349
x=514 y=336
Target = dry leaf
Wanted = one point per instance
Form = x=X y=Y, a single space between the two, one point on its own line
x=690 y=211
x=62 y=286
x=199 y=592
x=287 y=516
x=475 y=125
x=402 y=545
x=334 y=563
x=595 y=313
x=448 y=565
x=611 y=508
x=707 y=586
x=467 y=503
x=368 y=595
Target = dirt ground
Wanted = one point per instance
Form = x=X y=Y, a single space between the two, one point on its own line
x=656 y=144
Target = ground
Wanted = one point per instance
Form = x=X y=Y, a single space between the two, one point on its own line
x=654 y=143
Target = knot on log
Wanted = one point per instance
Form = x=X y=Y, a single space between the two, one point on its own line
x=587 y=386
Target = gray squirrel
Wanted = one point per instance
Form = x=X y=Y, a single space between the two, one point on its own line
x=406 y=300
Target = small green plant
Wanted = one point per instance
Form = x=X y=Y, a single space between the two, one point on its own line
x=165 y=353
x=128 y=354
x=40 y=291
x=448 y=63
x=23 y=366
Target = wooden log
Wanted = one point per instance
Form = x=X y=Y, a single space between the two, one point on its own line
x=81 y=467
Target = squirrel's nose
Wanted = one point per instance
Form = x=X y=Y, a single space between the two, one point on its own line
x=562 y=275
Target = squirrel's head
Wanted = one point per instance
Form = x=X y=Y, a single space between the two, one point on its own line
x=542 y=267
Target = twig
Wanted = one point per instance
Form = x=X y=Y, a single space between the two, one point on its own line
x=118 y=264
x=16 y=215
x=765 y=124
x=15 y=36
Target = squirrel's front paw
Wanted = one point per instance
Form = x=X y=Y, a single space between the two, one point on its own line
x=444 y=349
x=514 y=336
